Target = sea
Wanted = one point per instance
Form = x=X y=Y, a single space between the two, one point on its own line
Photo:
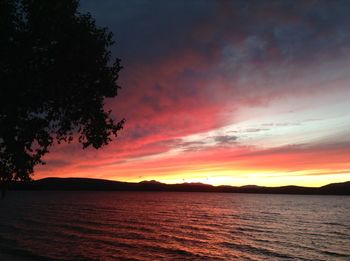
x=58 y=225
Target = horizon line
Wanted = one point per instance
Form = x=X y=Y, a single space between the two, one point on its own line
x=164 y=183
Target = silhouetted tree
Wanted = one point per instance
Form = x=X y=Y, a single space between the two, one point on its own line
x=55 y=73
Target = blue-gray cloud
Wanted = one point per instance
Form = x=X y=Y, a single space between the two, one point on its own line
x=296 y=29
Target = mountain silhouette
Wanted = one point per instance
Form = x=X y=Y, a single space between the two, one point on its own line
x=109 y=185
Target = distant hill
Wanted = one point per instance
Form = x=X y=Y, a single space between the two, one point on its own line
x=109 y=185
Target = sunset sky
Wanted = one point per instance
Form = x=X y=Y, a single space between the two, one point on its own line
x=223 y=92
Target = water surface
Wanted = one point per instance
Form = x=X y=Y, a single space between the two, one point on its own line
x=173 y=225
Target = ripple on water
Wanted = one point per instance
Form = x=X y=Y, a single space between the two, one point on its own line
x=182 y=226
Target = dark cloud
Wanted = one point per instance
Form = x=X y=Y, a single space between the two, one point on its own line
x=225 y=139
x=271 y=29
x=149 y=29
x=303 y=147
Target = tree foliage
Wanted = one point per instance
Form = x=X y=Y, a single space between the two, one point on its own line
x=55 y=73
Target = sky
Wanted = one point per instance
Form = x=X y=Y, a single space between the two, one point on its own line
x=223 y=92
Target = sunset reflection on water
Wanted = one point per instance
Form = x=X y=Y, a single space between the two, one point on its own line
x=164 y=225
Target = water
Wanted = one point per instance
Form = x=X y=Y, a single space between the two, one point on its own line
x=180 y=226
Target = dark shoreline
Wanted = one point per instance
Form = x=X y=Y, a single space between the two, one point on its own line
x=86 y=184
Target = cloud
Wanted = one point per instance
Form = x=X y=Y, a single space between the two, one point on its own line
x=225 y=139
x=195 y=67
x=254 y=130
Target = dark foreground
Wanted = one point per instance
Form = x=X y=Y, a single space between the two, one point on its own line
x=108 y=185
x=164 y=225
